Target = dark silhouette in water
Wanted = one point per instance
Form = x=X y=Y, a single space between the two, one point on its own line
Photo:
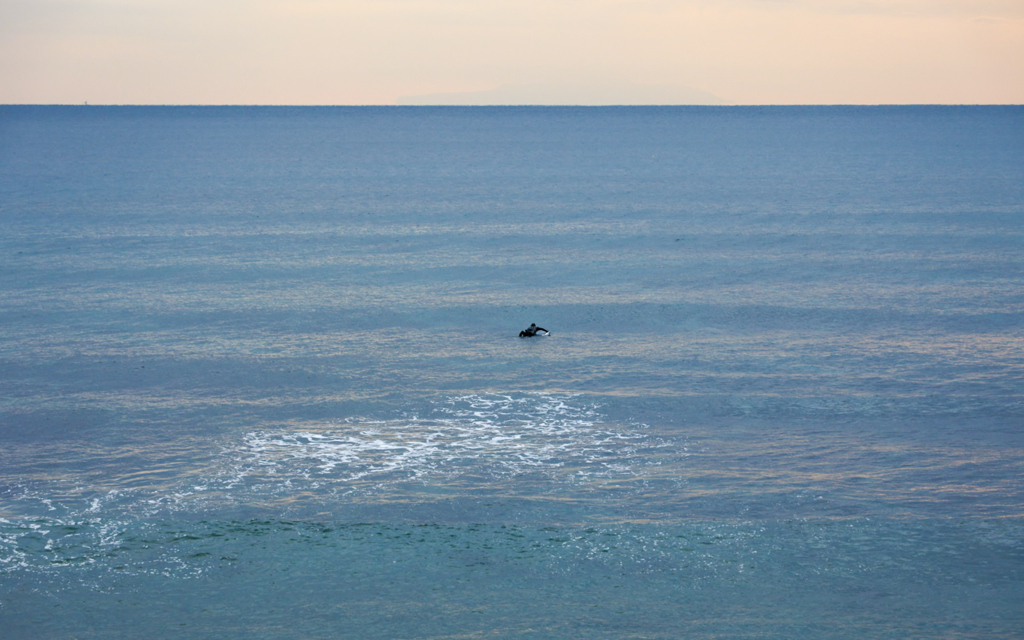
x=531 y=331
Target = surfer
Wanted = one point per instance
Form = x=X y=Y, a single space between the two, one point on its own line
x=531 y=331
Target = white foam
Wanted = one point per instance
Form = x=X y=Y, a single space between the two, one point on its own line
x=489 y=436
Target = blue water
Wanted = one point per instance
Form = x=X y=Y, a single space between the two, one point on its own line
x=259 y=372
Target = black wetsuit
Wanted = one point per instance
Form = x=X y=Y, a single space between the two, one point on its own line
x=532 y=331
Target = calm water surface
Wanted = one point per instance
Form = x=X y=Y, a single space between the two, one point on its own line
x=259 y=372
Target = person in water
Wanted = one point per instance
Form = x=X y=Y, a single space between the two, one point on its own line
x=531 y=331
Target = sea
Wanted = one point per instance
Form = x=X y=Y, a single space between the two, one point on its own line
x=261 y=373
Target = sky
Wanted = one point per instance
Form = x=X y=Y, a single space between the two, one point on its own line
x=357 y=52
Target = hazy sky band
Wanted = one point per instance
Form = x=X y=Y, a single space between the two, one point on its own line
x=383 y=51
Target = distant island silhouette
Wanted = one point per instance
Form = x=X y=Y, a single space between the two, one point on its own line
x=570 y=95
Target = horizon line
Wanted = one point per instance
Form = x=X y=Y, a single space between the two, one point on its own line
x=507 y=106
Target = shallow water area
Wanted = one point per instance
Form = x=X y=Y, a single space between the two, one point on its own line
x=393 y=580
x=532 y=515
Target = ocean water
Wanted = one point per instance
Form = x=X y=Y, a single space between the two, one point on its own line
x=260 y=374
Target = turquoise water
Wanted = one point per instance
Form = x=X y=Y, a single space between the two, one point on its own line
x=260 y=373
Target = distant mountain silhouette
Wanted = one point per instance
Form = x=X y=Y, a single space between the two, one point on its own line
x=571 y=94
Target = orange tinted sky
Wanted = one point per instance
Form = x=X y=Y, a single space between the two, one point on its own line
x=378 y=51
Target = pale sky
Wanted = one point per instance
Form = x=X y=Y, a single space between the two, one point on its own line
x=357 y=52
